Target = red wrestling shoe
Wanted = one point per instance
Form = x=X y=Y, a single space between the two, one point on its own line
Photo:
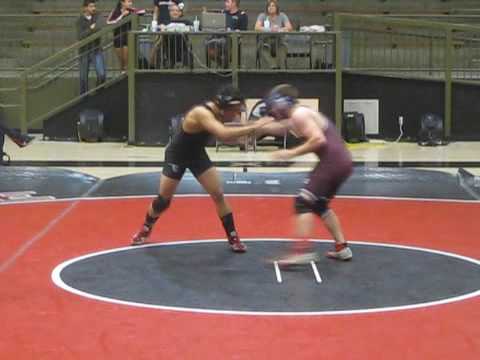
x=341 y=252
x=141 y=237
x=236 y=245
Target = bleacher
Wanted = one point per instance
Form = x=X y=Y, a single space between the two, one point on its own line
x=33 y=30
x=36 y=29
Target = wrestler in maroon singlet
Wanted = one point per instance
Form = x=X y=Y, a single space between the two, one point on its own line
x=335 y=166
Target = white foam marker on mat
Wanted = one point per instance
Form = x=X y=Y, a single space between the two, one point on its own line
x=277 y=272
x=315 y=272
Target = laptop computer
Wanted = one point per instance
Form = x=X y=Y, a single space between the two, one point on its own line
x=211 y=21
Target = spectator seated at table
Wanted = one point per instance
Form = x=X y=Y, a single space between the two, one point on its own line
x=173 y=50
x=272 y=50
x=219 y=46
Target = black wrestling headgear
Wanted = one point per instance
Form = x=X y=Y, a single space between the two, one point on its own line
x=229 y=96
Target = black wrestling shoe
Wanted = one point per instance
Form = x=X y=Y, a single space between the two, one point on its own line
x=4 y=159
x=22 y=140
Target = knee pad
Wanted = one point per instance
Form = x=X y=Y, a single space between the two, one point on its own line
x=321 y=207
x=159 y=204
x=306 y=202
x=302 y=206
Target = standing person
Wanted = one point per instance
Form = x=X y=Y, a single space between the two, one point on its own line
x=161 y=11
x=335 y=166
x=92 y=52
x=273 y=47
x=186 y=150
x=120 y=41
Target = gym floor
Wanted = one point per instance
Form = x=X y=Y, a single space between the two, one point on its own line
x=73 y=288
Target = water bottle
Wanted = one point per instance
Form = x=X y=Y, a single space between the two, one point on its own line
x=266 y=24
x=154 y=25
x=196 y=25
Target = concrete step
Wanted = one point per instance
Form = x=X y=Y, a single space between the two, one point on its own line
x=8 y=63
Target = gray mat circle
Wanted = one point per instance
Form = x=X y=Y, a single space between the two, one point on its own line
x=205 y=276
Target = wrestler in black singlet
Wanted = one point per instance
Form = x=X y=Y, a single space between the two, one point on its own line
x=187 y=151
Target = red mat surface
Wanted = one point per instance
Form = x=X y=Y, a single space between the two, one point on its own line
x=42 y=321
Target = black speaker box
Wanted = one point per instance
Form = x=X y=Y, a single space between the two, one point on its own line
x=353 y=127
x=431 y=131
x=90 y=126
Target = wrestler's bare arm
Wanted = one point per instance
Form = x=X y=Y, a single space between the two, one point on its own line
x=305 y=124
x=208 y=123
x=275 y=128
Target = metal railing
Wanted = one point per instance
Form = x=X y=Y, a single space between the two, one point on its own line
x=245 y=51
x=409 y=48
x=29 y=38
x=360 y=43
x=54 y=83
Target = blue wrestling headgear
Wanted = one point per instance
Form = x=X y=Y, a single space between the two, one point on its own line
x=280 y=100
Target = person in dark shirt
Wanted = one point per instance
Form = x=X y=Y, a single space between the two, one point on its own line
x=123 y=9
x=218 y=46
x=87 y=24
x=161 y=10
x=186 y=150
x=236 y=19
